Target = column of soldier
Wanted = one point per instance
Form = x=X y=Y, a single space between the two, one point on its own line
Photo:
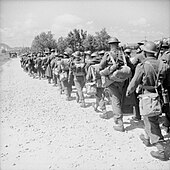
x=95 y=71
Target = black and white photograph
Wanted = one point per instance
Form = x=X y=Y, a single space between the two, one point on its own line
x=85 y=84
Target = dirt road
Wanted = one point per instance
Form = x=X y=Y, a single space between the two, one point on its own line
x=42 y=131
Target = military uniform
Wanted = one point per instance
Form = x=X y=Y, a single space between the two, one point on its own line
x=38 y=63
x=116 y=88
x=165 y=57
x=147 y=78
x=78 y=69
x=93 y=66
x=68 y=82
x=48 y=71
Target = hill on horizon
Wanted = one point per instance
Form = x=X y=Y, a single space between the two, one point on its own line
x=4 y=46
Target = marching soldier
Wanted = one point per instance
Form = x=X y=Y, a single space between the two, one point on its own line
x=94 y=75
x=38 y=63
x=48 y=71
x=54 y=68
x=77 y=66
x=165 y=57
x=57 y=72
x=65 y=77
x=145 y=74
x=115 y=88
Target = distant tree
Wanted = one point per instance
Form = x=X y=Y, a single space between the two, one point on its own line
x=61 y=44
x=90 y=43
x=42 y=41
x=25 y=50
x=75 y=39
x=102 y=40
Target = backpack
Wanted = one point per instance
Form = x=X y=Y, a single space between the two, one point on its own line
x=79 y=69
x=121 y=74
x=65 y=64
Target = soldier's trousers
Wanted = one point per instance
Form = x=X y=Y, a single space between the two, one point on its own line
x=116 y=90
x=67 y=87
x=39 y=72
x=167 y=111
x=43 y=73
x=100 y=98
x=79 y=82
x=55 y=79
x=152 y=129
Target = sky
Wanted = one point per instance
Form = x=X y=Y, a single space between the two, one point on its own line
x=129 y=20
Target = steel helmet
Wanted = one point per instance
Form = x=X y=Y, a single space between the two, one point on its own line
x=95 y=54
x=142 y=42
x=101 y=52
x=77 y=54
x=149 y=47
x=113 y=40
x=52 y=50
x=165 y=45
x=127 y=50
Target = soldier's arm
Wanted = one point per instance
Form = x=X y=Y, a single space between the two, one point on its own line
x=103 y=62
x=52 y=64
x=136 y=80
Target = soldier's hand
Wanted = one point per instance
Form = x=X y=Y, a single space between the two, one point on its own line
x=120 y=63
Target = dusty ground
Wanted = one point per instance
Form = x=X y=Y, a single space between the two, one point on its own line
x=42 y=131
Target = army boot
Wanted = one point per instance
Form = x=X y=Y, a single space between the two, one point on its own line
x=160 y=154
x=145 y=141
x=118 y=126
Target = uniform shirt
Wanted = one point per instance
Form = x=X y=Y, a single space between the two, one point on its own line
x=146 y=76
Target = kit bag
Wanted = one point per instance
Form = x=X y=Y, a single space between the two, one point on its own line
x=121 y=74
x=150 y=103
x=91 y=88
x=79 y=69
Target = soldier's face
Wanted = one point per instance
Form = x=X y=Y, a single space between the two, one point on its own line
x=114 y=45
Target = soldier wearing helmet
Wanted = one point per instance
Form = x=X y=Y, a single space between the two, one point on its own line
x=139 y=57
x=145 y=74
x=77 y=67
x=165 y=57
x=115 y=88
x=67 y=80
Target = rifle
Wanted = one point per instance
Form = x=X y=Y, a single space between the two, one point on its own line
x=160 y=46
x=123 y=56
